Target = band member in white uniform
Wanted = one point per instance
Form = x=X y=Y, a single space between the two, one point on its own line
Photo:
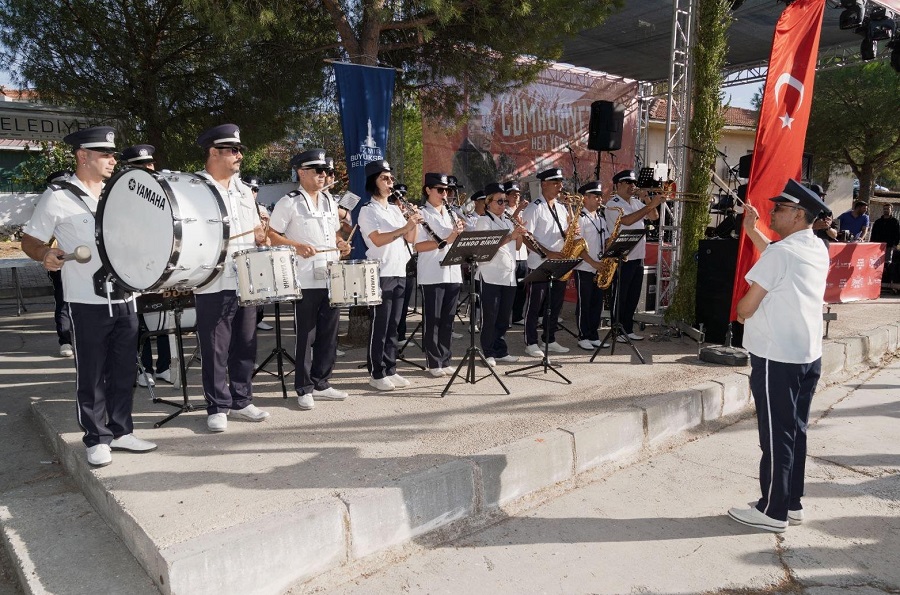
x=104 y=332
x=498 y=278
x=386 y=231
x=547 y=220
x=226 y=330
x=307 y=219
x=632 y=270
x=589 y=309
x=514 y=206
x=440 y=285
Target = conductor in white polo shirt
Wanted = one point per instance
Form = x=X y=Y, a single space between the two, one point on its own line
x=782 y=314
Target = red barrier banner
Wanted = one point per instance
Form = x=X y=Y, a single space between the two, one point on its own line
x=855 y=272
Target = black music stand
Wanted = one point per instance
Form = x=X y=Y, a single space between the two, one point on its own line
x=177 y=303
x=619 y=249
x=279 y=353
x=548 y=272
x=410 y=338
x=473 y=247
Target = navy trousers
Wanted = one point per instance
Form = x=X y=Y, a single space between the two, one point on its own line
x=783 y=394
x=316 y=326
x=438 y=310
x=226 y=332
x=534 y=309
x=382 y=356
x=496 y=302
x=628 y=296
x=589 y=309
x=104 y=369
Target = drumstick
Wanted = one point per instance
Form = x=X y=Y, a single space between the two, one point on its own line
x=352 y=231
x=240 y=235
x=318 y=250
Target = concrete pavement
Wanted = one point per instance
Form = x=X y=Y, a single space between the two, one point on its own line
x=660 y=526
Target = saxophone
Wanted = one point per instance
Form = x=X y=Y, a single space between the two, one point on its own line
x=608 y=266
x=573 y=246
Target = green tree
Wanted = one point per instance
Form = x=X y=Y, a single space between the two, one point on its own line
x=854 y=121
x=713 y=20
x=163 y=70
x=454 y=52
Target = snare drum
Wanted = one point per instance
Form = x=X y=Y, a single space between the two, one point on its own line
x=354 y=283
x=160 y=230
x=267 y=275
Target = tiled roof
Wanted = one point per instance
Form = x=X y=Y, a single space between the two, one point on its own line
x=734 y=116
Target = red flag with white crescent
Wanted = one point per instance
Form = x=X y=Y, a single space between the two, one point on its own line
x=783 y=119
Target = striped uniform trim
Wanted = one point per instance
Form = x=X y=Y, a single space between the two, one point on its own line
x=771 y=442
x=98 y=145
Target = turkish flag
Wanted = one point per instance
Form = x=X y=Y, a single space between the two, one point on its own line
x=783 y=119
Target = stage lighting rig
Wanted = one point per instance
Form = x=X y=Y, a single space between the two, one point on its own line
x=881 y=24
x=853 y=15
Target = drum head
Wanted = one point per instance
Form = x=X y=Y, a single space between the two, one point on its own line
x=135 y=229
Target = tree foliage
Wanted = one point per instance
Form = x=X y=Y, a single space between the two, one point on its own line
x=854 y=121
x=713 y=20
x=163 y=70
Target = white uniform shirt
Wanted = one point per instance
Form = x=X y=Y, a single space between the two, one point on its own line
x=243 y=216
x=394 y=255
x=500 y=270
x=429 y=269
x=595 y=233
x=787 y=325
x=301 y=220
x=70 y=220
x=540 y=222
x=628 y=206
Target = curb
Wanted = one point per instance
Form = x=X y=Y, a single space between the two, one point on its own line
x=290 y=547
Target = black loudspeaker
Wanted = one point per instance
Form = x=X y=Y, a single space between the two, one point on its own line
x=744 y=166
x=716 y=265
x=605 y=130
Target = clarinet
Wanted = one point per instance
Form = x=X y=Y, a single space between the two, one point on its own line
x=407 y=209
x=529 y=237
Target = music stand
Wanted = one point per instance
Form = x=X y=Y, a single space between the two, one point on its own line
x=473 y=247
x=176 y=302
x=279 y=353
x=410 y=339
x=548 y=272
x=619 y=249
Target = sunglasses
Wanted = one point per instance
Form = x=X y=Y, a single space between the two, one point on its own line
x=502 y=201
x=780 y=205
x=233 y=150
x=318 y=170
x=386 y=178
x=441 y=190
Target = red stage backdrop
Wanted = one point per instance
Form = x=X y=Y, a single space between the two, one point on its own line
x=516 y=134
x=781 y=134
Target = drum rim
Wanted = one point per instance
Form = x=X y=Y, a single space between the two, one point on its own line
x=262 y=249
x=226 y=229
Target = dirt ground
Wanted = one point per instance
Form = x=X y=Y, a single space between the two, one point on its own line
x=11 y=250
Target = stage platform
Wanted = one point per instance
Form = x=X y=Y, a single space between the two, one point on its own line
x=266 y=506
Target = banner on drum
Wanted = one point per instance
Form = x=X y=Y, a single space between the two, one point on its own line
x=365 y=94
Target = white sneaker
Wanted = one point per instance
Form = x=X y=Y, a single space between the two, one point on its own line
x=437 y=372
x=635 y=337
x=795 y=517
x=131 y=443
x=587 y=345
x=519 y=322
x=534 y=351
x=398 y=381
x=381 y=384
x=329 y=394
x=449 y=370
x=557 y=348
x=508 y=359
x=65 y=350
x=491 y=361
x=597 y=343
x=456 y=335
x=165 y=376
x=754 y=518
x=305 y=401
x=340 y=353
x=217 y=422
x=99 y=455
x=621 y=339
x=264 y=326
x=145 y=380
x=251 y=412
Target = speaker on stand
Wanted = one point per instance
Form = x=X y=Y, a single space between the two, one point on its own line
x=716 y=266
x=605 y=128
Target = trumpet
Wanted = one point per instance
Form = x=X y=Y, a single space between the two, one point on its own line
x=408 y=209
x=529 y=238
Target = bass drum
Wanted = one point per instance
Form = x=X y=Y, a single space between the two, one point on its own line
x=160 y=230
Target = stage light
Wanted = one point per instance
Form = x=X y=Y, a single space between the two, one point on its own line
x=881 y=24
x=852 y=17
x=868 y=49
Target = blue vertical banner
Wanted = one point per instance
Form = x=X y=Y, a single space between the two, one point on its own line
x=365 y=95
